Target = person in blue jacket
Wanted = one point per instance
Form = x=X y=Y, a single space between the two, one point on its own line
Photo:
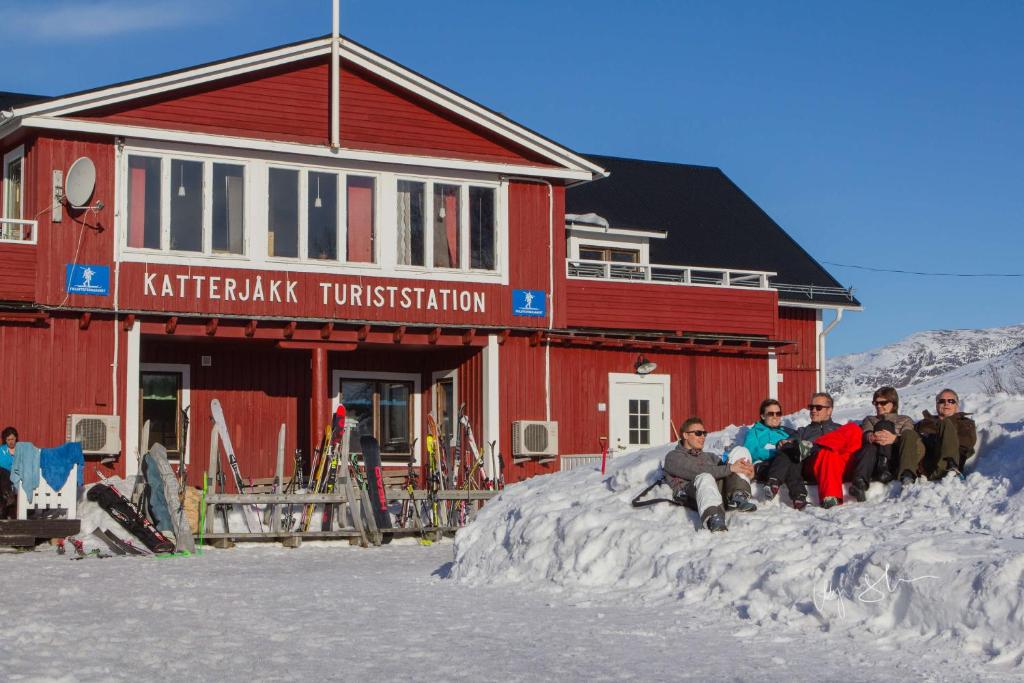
x=8 y=496
x=762 y=437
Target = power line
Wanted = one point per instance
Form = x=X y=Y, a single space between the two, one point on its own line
x=917 y=272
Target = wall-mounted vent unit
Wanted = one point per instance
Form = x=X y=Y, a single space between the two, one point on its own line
x=534 y=438
x=99 y=434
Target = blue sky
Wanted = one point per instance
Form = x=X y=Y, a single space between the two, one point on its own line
x=888 y=135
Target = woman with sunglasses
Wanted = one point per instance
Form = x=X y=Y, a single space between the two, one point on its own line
x=940 y=443
x=883 y=432
x=762 y=437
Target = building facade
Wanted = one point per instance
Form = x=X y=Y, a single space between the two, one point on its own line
x=201 y=234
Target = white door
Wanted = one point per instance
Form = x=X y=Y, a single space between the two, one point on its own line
x=639 y=411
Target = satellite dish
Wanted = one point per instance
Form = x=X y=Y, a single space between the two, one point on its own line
x=80 y=182
x=644 y=366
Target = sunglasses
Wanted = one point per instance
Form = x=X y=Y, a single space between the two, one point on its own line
x=814 y=407
x=698 y=432
x=946 y=401
x=881 y=402
x=773 y=413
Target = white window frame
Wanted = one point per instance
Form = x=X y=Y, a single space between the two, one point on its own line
x=15 y=154
x=255 y=255
x=417 y=428
x=609 y=242
x=185 y=370
x=453 y=375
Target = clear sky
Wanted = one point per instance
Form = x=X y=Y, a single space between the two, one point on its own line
x=880 y=134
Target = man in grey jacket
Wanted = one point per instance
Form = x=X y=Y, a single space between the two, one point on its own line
x=699 y=479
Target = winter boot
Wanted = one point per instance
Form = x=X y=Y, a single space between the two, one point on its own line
x=859 y=490
x=771 y=489
x=883 y=472
x=800 y=501
x=714 y=519
x=829 y=502
x=907 y=478
x=740 y=502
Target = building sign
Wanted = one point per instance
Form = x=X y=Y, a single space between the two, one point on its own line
x=257 y=289
x=529 y=302
x=87 y=279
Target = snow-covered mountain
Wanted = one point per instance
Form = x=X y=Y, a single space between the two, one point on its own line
x=925 y=356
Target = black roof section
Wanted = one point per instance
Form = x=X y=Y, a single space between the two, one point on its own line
x=710 y=222
x=17 y=99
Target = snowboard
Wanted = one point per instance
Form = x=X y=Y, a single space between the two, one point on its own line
x=121 y=509
x=375 y=482
x=169 y=482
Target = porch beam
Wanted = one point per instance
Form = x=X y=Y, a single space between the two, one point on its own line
x=171 y=325
x=211 y=326
x=84 y=321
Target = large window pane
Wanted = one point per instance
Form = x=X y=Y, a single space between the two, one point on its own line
x=394 y=417
x=322 y=216
x=357 y=397
x=446 y=226
x=283 y=213
x=186 y=205
x=144 y=202
x=161 y=394
x=481 y=228
x=228 y=209
x=410 y=222
x=360 y=224
x=12 y=189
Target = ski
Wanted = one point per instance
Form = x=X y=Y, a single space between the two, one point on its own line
x=128 y=516
x=249 y=513
x=126 y=545
x=116 y=549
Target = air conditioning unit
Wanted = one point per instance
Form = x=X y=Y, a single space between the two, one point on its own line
x=99 y=434
x=534 y=438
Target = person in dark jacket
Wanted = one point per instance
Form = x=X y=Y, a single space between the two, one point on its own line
x=699 y=479
x=789 y=470
x=940 y=443
x=8 y=494
x=883 y=433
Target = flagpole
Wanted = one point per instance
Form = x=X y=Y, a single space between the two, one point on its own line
x=335 y=77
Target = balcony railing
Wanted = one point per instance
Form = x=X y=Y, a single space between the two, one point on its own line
x=668 y=275
x=812 y=291
x=18 y=231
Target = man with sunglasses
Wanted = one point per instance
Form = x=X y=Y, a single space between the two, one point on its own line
x=883 y=432
x=819 y=451
x=699 y=479
x=940 y=443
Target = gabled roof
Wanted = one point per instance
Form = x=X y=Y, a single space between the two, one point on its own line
x=710 y=222
x=44 y=111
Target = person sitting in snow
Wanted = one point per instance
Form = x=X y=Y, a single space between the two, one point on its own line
x=699 y=479
x=762 y=437
x=940 y=443
x=883 y=432
x=820 y=452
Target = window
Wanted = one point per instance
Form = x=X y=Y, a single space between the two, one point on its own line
x=447 y=226
x=322 y=216
x=444 y=402
x=283 y=213
x=590 y=252
x=410 y=222
x=639 y=422
x=13 y=197
x=186 y=205
x=144 y=202
x=162 y=404
x=383 y=408
x=228 y=209
x=360 y=224
x=481 y=228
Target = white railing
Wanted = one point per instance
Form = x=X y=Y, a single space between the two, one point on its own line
x=18 y=231
x=811 y=291
x=672 y=275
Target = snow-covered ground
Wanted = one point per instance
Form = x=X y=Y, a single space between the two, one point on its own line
x=560 y=579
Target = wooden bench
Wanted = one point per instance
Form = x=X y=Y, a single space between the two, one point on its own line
x=25 y=533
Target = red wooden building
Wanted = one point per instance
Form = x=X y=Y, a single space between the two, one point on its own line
x=268 y=232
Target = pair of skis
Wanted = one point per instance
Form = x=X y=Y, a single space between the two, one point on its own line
x=250 y=512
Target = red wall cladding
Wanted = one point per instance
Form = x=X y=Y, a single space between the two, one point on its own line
x=799 y=365
x=53 y=369
x=635 y=306
x=292 y=103
x=19 y=276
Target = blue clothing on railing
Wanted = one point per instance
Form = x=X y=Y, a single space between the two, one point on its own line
x=761 y=440
x=56 y=463
x=25 y=471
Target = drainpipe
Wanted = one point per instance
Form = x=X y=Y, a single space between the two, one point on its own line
x=821 y=348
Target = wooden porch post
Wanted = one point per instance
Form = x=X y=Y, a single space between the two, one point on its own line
x=320 y=403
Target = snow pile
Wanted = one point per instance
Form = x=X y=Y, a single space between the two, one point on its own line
x=943 y=560
x=920 y=357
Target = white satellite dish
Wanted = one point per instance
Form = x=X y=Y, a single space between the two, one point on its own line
x=80 y=182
